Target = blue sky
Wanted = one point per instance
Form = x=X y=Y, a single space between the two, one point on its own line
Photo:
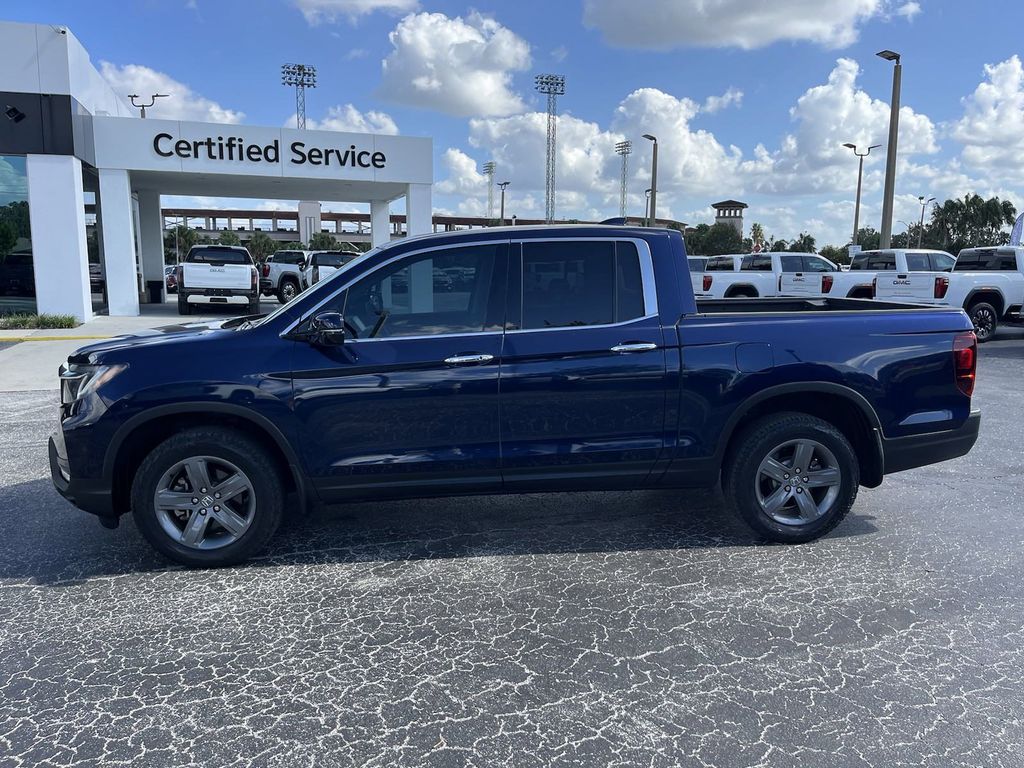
x=795 y=79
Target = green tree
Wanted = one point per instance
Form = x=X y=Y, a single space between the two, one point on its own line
x=868 y=238
x=8 y=238
x=722 y=239
x=757 y=233
x=261 y=245
x=323 y=241
x=695 y=239
x=292 y=245
x=803 y=244
x=835 y=254
x=970 y=221
x=227 y=237
x=178 y=241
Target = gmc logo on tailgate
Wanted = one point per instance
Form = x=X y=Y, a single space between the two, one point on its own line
x=901 y=282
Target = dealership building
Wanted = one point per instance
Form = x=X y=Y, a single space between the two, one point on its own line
x=73 y=152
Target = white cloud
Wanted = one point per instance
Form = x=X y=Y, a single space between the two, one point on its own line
x=731 y=97
x=182 y=104
x=992 y=127
x=330 y=11
x=664 y=24
x=349 y=119
x=459 y=66
x=463 y=175
x=909 y=10
x=13 y=180
x=560 y=53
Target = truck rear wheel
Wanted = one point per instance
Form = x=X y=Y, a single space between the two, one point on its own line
x=791 y=477
x=985 y=320
x=208 y=497
x=289 y=290
x=184 y=308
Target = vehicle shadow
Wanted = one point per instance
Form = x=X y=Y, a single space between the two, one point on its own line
x=48 y=542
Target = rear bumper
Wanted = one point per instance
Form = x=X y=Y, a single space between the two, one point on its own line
x=902 y=453
x=93 y=496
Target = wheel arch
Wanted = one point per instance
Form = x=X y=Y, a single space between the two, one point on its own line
x=141 y=433
x=743 y=288
x=847 y=410
x=989 y=295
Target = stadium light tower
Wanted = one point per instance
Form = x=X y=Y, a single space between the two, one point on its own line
x=623 y=148
x=553 y=86
x=302 y=76
x=489 y=168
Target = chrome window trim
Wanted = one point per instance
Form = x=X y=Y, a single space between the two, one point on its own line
x=427 y=336
x=383 y=264
x=650 y=288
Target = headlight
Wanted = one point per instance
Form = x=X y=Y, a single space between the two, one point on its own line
x=76 y=381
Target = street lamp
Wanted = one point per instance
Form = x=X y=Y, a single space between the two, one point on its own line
x=502 y=185
x=653 y=215
x=647 y=207
x=152 y=101
x=860 y=177
x=890 y=160
x=924 y=204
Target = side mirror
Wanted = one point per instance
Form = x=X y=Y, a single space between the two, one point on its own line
x=327 y=329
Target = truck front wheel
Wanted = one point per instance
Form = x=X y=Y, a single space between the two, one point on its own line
x=208 y=497
x=985 y=320
x=791 y=477
x=184 y=308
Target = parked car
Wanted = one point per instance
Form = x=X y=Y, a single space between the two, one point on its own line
x=577 y=360
x=858 y=281
x=284 y=275
x=171 y=279
x=322 y=264
x=988 y=283
x=218 y=275
x=96 y=281
x=770 y=274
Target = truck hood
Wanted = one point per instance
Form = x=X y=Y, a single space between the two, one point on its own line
x=99 y=352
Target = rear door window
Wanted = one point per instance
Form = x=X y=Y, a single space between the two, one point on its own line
x=792 y=263
x=918 y=262
x=720 y=264
x=757 y=263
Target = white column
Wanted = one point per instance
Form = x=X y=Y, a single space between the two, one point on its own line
x=418 y=210
x=380 y=223
x=151 y=235
x=309 y=220
x=60 y=254
x=118 y=242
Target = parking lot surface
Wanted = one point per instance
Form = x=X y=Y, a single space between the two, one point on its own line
x=614 y=629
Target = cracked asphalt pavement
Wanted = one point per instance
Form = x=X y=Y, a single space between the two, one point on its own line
x=605 y=629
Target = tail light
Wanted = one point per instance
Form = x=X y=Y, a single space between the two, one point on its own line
x=255 y=279
x=266 y=270
x=826 y=283
x=179 y=273
x=874 y=287
x=708 y=280
x=965 y=361
x=941 y=286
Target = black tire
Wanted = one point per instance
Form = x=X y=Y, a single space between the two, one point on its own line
x=985 y=319
x=742 y=294
x=254 y=306
x=282 y=292
x=740 y=476
x=184 y=308
x=218 y=443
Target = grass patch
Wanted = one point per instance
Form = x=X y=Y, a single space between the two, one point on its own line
x=25 y=320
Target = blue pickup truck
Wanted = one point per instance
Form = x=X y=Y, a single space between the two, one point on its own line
x=509 y=360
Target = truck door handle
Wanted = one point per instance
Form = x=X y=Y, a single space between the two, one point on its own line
x=473 y=359
x=633 y=346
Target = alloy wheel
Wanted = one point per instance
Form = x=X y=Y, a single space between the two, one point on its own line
x=204 y=502
x=798 y=482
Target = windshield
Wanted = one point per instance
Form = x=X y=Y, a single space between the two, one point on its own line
x=324 y=286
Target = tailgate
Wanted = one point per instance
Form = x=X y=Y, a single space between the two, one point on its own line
x=912 y=287
x=228 y=276
x=800 y=284
x=697 y=281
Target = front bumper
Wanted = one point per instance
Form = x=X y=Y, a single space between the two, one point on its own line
x=93 y=496
x=902 y=453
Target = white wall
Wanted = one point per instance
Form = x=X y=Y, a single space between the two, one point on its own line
x=115 y=216
x=151 y=239
x=310 y=221
x=380 y=222
x=60 y=254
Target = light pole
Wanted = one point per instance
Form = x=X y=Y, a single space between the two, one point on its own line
x=647 y=206
x=860 y=178
x=924 y=204
x=653 y=215
x=152 y=101
x=890 y=159
x=302 y=76
x=502 y=185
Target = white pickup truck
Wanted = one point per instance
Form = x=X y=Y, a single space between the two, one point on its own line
x=766 y=274
x=323 y=264
x=218 y=275
x=858 y=281
x=988 y=283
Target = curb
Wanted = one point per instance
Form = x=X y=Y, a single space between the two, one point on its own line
x=21 y=339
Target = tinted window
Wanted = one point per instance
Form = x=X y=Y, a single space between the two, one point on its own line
x=792 y=264
x=757 y=263
x=218 y=256
x=942 y=262
x=288 y=257
x=697 y=264
x=570 y=284
x=985 y=260
x=1007 y=263
x=875 y=261
x=815 y=264
x=918 y=262
x=416 y=297
x=720 y=264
